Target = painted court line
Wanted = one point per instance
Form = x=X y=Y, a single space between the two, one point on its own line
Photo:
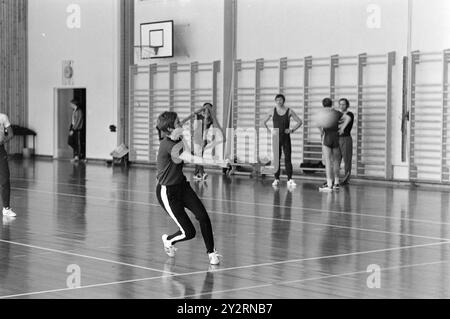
x=50 y=250
x=286 y=283
x=238 y=215
x=425 y=221
x=223 y=269
x=335 y=226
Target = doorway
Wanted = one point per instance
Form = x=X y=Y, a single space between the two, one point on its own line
x=63 y=119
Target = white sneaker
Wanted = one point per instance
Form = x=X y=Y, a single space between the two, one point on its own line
x=214 y=258
x=168 y=247
x=8 y=212
x=75 y=159
x=276 y=182
x=325 y=188
x=291 y=183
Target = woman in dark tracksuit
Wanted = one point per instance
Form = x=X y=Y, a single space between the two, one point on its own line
x=174 y=192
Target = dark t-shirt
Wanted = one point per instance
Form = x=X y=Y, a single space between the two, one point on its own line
x=169 y=173
x=281 y=122
x=348 y=128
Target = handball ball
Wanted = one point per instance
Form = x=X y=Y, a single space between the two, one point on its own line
x=265 y=160
x=326 y=118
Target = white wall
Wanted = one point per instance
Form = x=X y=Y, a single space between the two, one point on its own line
x=431 y=25
x=298 y=28
x=95 y=50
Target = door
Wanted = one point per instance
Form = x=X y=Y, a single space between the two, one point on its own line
x=63 y=117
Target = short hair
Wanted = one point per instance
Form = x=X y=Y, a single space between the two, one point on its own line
x=75 y=102
x=347 y=103
x=280 y=96
x=207 y=103
x=327 y=102
x=166 y=120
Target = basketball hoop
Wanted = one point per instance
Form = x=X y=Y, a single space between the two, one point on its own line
x=155 y=49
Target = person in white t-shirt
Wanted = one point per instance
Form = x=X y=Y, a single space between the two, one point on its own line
x=6 y=133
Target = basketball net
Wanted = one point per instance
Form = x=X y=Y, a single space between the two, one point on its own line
x=142 y=52
x=155 y=49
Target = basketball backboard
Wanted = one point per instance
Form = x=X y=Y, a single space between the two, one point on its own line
x=156 y=40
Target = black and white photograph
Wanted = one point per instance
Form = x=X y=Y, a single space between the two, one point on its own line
x=224 y=157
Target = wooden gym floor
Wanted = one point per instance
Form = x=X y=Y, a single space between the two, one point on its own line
x=275 y=244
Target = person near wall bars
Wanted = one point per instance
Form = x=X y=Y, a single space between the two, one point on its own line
x=345 y=139
x=330 y=148
x=281 y=116
x=203 y=122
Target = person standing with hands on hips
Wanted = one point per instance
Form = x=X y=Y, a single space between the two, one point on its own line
x=281 y=116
